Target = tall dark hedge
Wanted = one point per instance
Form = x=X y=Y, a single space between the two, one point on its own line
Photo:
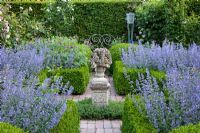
x=36 y=12
x=100 y=18
x=193 y=7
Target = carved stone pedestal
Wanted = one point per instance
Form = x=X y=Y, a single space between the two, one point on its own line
x=101 y=59
x=100 y=91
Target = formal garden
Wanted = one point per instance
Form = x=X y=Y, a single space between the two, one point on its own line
x=100 y=66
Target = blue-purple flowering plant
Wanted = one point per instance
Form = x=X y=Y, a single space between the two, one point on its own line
x=30 y=106
x=24 y=101
x=161 y=58
x=176 y=104
x=27 y=59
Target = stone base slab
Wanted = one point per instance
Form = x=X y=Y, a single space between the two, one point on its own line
x=100 y=97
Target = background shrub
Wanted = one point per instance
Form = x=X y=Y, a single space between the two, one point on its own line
x=150 y=20
x=20 y=26
x=193 y=7
x=70 y=121
x=160 y=19
x=133 y=121
x=8 y=128
x=192 y=23
x=57 y=18
x=125 y=78
x=88 y=110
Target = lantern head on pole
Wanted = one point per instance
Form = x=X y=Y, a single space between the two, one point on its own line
x=130 y=18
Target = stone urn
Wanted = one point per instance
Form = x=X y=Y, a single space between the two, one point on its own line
x=101 y=60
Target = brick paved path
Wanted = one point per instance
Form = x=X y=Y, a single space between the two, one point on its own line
x=100 y=126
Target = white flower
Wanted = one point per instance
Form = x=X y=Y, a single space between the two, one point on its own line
x=17 y=39
x=48 y=10
x=64 y=0
x=1 y=18
x=21 y=8
x=7 y=36
x=6 y=27
x=58 y=8
x=30 y=9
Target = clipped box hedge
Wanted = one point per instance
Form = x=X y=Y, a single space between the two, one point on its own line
x=133 y=121
x=116 y=52
x=101 y=17
x=77 y=77
x=123 y=86
x=8 y=128
x=191 y=128
x=70 y=121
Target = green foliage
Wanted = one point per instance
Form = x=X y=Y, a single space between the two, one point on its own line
x=191 y=128
x=116 y=53
x=193 y=7
x=105 y=1
x=160 y=19
x=150 y=20
x=36 y=12
x=88 y=110
x=77 y=77
x=8 y=128
x=70 y=121
x=88 y=15
x=58 y=18
x=21 y=26
x=133 y=121
x=66 y=53
x=191 y=33
x=123 y=83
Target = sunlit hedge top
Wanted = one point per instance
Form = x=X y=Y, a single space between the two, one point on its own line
x=102 y=1
x=27 y=1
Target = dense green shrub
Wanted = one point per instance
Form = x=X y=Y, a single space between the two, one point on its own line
x=89 y=15
x=37 y=9
x=8 y=128
x=191 y=128
x=150 y=19
x=122 y=82
x=17 y=28
x=77 y=77
x=193 y=6
x=133 y=121
x=70 y=121
x=58 y=18
x=192 y=31
x=88 y=110
x=116 y=53
x=160 y=19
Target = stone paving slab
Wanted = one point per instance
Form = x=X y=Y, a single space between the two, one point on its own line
x=100 y=126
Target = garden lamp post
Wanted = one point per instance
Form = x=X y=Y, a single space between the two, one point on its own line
x=130 y=17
